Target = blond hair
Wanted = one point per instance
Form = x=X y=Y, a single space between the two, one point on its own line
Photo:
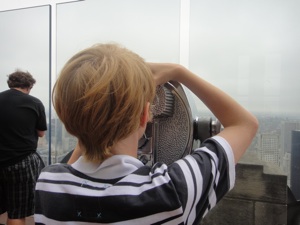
x=100 y=96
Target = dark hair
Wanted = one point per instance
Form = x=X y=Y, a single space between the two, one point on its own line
x=20 y=79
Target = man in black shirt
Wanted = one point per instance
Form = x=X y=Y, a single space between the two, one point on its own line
x=22 y=122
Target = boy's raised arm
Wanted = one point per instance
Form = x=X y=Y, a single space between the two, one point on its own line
x=240 y=126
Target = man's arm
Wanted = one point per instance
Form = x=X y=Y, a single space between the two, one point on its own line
x=40 y=133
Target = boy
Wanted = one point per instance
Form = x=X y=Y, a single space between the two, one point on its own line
x=103 y=97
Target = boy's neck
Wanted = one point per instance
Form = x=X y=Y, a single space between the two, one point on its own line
x=127 y=146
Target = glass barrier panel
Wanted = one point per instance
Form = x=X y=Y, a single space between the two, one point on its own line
x=149 y=28
x=251 y=50
x=25 y=38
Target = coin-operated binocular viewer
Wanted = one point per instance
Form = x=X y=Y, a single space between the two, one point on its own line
x=173 y=131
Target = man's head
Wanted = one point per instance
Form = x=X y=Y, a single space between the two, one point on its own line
x=20 y=79
x=100 y=96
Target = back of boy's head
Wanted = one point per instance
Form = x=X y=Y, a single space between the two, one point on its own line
x=100 y=96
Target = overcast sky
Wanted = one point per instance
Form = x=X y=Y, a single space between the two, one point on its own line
x=248 y=48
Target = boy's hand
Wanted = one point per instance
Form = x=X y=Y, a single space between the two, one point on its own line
x=164 y=72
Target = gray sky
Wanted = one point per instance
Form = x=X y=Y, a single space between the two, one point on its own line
x=248 y=48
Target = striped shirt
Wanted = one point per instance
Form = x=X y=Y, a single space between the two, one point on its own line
x=122 y=190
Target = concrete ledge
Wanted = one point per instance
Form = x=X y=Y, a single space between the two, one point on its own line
x=259 y=196
x=266 y=213
x=231 y=212
x=253 y=184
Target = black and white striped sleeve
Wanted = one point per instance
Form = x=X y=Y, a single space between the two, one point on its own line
x=204 y=177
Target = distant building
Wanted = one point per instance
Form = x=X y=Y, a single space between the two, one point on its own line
x=286 y=134
x=286 y=145
x=286 y=166
x=295 y=165
x=268 y=148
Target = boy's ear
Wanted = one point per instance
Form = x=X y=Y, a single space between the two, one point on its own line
x=145 y=115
